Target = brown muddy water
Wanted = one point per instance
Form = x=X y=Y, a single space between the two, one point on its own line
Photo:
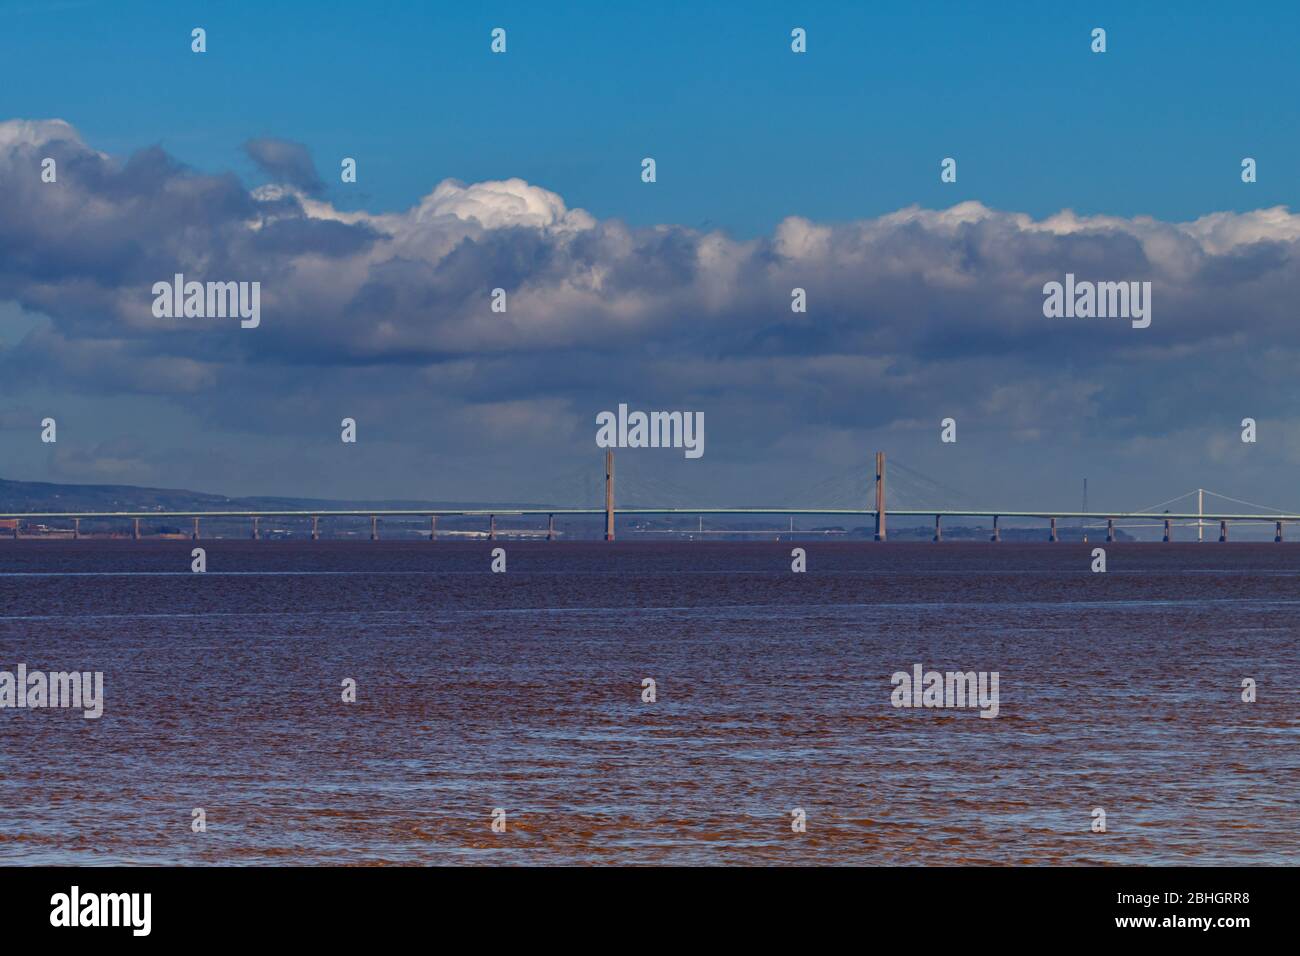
x=522 y=691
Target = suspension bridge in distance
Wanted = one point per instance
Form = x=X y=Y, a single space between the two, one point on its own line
x=879 y=514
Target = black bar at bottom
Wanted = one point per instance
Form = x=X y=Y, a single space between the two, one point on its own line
x=958 y=905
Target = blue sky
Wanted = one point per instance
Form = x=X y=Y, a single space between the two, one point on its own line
x=743 y=131
x=775 y=170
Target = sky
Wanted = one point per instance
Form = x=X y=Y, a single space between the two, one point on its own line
x=774 y=170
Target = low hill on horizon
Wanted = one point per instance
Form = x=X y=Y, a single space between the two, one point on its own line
x=34 y=497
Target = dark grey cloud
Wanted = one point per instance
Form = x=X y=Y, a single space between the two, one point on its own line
x=286 y=162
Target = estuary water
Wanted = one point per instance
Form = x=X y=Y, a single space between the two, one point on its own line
x=523 y=691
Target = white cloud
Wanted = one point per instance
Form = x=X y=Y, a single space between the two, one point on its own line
x=500 y=205
x=21 y=132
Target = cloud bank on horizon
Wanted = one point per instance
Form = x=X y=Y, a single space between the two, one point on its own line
x=387 y=317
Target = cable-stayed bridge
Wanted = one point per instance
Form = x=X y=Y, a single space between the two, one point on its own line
x=855 y=492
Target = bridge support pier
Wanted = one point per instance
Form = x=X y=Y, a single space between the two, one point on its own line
x=315 y=527
x=492 y=527
x=135 y=529
x=1167 y=531
x=256 y=533
x=76 y=528
x=1223 y=531
x=550 y=527
x=938 y=529
x=1277 y=537
x=433 y=527
x=194 y=535
x=17 y=521
x=1052 y=536
x=997 y=535
x=374 y=528
x=1110 y=530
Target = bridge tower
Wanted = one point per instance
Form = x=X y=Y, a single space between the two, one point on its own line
x=880 y=496
x=609 y=494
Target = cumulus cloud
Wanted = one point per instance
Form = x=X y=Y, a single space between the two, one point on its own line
x=14 y=133
x=500 y=205
x=910 y=315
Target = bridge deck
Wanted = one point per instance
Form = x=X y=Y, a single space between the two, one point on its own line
x=541 y=512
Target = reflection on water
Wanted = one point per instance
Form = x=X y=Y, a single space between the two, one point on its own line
x=523 y=691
